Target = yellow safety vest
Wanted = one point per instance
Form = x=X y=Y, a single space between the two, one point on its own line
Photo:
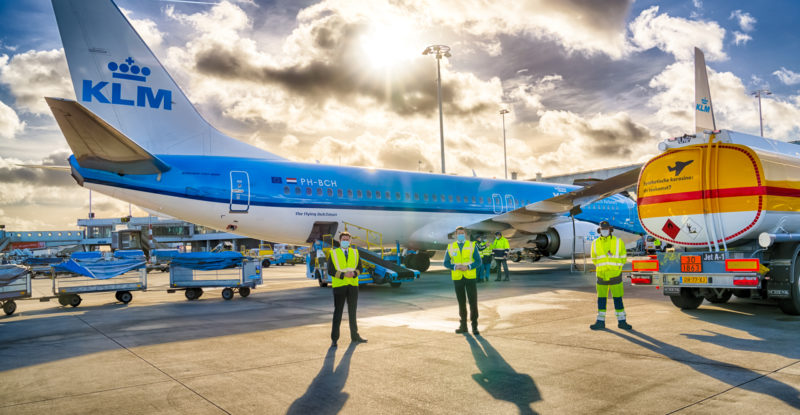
x=487 y=250
x=343 y=264
x=500 y=243
x=607 y=265
x=462 y=257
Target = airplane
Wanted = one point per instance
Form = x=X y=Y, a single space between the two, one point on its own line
x=679 y=166
x=136 y=137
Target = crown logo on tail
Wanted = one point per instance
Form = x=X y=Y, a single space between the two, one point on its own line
x=127 y=70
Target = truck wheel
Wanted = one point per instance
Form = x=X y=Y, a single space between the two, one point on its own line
x=712 y=297
x=265 y=263
x=791 y=305
x=9 y=307
x=244 y=291
x=687 y=300
x=227 y=294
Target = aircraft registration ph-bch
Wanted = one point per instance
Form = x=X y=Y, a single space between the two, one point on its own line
x=136 y=137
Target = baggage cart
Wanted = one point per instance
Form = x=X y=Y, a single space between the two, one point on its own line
x=15 y=287
x=241 y=279
x=69 y=285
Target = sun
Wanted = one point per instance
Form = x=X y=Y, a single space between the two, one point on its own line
x=389 y=46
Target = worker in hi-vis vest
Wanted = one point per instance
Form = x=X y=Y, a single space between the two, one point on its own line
x=343 y=266
x=608 y=255
x=500 y=249
x=462 y=258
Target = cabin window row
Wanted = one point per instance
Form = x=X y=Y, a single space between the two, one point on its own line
x=387 y=195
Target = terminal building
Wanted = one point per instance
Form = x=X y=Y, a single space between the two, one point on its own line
x=123 y=233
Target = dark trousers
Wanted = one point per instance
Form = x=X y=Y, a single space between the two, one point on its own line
x=466 y=289
x=504 y=263
x=341 y=294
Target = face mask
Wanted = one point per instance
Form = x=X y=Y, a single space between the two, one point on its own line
x=461 y=237
x=605 y=232
x=344 y=244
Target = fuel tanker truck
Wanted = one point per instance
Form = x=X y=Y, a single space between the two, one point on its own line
x=729 y=204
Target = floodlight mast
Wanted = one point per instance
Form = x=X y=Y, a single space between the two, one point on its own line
x=438 y=51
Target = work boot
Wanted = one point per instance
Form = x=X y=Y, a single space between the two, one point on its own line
x=506 y=279
x=462 y=329
x=598 y=325
x=624 y=325
x=358 y=339
x=475 y=330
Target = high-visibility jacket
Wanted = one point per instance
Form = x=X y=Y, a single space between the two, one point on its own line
x=343 y=265
x=657 y=243
x=500 y=243
x=462 y=256
x=608 y=255
x=487 y=249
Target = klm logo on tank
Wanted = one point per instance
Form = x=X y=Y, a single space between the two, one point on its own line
x=127 y=70
x=703 y=106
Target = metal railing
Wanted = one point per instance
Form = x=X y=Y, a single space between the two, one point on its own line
x=373 y=239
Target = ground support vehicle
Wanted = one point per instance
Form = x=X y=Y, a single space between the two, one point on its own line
x=241 y=278
x=727 y=203
x=71 y=279
x=160 y=258
x=16 y=285
x=376 y=270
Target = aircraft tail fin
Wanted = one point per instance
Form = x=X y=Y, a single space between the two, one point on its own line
x=98 y=145
x=703 y=110
x=118 y=78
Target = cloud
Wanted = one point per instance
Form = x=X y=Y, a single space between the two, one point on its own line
x=677 y=36
x=146 y=28
x=10 y=124
x=746 y=21
x=740 y=38
x=33 y=75
x=787 y=77
x=12 y=173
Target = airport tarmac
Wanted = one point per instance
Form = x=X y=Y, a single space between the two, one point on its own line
x=269 y=353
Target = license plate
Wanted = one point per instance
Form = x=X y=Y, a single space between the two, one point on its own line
x=691 y=263
x=694 y=280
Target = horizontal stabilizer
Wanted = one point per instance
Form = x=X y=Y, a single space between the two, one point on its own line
x=98 y=145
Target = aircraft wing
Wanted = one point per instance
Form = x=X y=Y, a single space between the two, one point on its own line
x=537 y=217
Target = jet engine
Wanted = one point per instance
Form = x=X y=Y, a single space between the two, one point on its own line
x=556 y=242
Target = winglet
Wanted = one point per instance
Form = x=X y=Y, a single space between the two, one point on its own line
x=703 y=110
x=98 y=145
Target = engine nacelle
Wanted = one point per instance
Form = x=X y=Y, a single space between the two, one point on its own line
x=556 y=242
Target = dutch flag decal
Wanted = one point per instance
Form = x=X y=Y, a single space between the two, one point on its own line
x=291 y=180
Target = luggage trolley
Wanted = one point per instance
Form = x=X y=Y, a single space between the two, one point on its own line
x=121 y=276
x=15 y=283
x=230 y=270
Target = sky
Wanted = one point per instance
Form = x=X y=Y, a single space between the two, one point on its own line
x=588 y=84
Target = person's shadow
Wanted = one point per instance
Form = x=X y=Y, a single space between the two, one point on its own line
x=736 y=376
x=500 y=379
x=324 y=395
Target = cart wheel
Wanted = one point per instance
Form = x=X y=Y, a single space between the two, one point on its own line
x=63 y=300
x=227 y=293
x=9 y=307
x=125 y=296
x=191 y=294
x=116 y=295
x=75 y=300
x=244 y=291
x=265 y=263
x=199 y=292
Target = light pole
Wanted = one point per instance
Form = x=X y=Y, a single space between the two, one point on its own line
x=439 y=51
x=503 y=113
x=758 y=94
